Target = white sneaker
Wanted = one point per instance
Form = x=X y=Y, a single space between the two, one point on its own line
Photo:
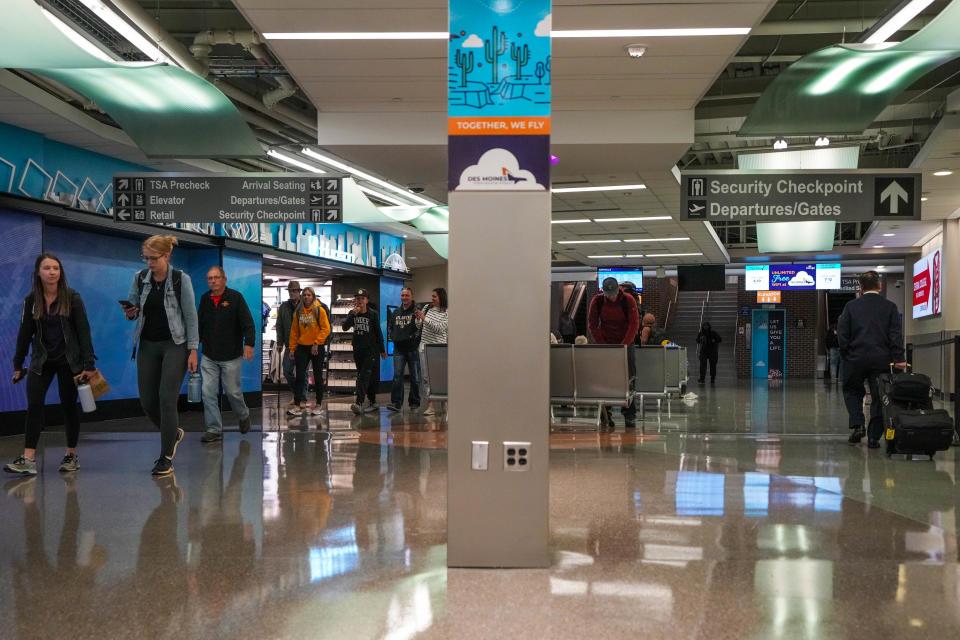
x=318 y=411
x=430 y=411
x=294 y=411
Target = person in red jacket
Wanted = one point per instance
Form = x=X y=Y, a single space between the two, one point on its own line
x=613 y=319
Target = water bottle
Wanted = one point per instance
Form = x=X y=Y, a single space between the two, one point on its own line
x=193 y=388
x=85 y=394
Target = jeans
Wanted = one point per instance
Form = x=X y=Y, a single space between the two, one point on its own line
x=37 y=385
x=160 y=370
x=290 y=373
x=836 y=363
x=856 y=374
x=368 y=373
x=401 y=359
x=303 y=357
x=227 y=373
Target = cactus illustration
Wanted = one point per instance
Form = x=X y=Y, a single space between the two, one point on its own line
x=520 y=55
x=540 y=70
x=548 y=69
x=465 y=62
x=492 y=52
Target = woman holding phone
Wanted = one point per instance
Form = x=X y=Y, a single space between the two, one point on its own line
x=54 y=326
x=161 y=300
x=433 y=321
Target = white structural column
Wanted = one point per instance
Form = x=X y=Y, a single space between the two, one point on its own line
x=499 y=377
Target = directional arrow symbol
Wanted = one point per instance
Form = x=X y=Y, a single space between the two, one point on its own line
x=332 y=215
x=123 y=215
x=123 y=184
x=333 y=200
x=894 y=193
x=123 y=199
x=333 y=184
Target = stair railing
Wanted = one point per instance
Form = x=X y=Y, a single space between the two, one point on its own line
x=670 y=305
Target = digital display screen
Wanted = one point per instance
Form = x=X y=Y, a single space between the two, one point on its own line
x=768 y=297
x=926 y=285
x=792 y=277
x=622 y=275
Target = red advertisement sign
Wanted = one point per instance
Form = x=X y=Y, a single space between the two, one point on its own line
x=926 y=285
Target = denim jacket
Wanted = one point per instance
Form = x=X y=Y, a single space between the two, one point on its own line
x=181 y=314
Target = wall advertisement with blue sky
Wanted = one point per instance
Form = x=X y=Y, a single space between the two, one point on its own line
x=498 y=102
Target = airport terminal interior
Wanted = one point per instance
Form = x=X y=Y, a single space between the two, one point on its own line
x=647 y=310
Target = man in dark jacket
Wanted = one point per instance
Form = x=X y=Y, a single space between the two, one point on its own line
x=227 y=333
x=871 y=338
x=402 y=329
x=284 y=322
x=613 y=319
x=367 y=343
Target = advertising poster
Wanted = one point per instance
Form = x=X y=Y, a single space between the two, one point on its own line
x=926 y=285
x=498 y=95
x=768 y=343
x=792 y=277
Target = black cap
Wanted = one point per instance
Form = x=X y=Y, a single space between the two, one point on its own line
x=610 y=285
x=629 y=287
x=294 y=286
x=361 y=292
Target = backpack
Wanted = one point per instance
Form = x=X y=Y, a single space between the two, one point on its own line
x=175 y=273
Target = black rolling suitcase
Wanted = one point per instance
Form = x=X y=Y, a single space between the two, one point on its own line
x=910 y=422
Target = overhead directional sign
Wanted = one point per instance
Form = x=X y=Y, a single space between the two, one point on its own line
x=235 y=197
x=784 y=196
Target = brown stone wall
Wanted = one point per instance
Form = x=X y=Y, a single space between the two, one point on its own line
x=657 y=294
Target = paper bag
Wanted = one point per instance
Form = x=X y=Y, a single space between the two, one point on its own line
x=98 y=384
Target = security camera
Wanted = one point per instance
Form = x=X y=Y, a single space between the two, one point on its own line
x=416 y=189
x=898 y=284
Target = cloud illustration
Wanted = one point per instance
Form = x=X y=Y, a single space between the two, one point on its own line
x=473 y=42
x=761 y=363
x=499 y=170
x=544 y=27
x=801 y=279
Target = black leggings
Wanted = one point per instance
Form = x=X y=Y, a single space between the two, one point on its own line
x=303 y=357
x=37 y=385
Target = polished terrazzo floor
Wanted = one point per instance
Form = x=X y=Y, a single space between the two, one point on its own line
x=744 y=515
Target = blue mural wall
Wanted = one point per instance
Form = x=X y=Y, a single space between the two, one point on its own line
x=20 y=243
x=389 y=295
x=245 y=274
x=17 y=146
x=194 y=263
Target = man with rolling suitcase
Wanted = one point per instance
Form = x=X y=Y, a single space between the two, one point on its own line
x=870 y=337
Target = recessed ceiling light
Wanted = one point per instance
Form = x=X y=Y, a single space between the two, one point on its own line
x=878 y=246
x=619 y=255
x=573 y=221
x=924 y=199
x=653 y=239
x=294 y=162
x=889 y=235
x=333 y=162
x=444 y=35
x=634 y=219
x=635 y=255
x=614 y=187
x=780 y=144
x=672 y=255
x=635 y=50
x=943 y=172
x=587 y=241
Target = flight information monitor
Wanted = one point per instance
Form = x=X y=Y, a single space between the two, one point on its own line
x=792 y=277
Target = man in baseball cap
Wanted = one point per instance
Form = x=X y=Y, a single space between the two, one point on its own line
x=613 y=319
x=367 y=344
x=285 y=315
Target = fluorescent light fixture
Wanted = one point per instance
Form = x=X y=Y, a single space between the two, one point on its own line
x=615 y=187
x=897 y=21
x=76 y=38
x=635 y=50
x=889 y=235
x=128 y=31
x=822 y=141
x=366 y=176
x=358 y=35
x=924 y=199
x=942 y=173
x=780 y=144
x=635 y=255
x=650 y=33
x=282 y=157
x=638 y=219
x=443 y=35
x=672 y=255
x=653 y=239
x=619 y=255
x=587 y=241
x=574 y=221
x=878 y=246
x=383 y=196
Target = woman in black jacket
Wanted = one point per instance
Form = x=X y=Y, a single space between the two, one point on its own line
x=54 y=326
x=708 y=346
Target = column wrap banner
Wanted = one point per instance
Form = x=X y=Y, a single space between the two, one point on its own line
x=498 y=99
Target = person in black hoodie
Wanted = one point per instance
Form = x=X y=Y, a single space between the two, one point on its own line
x=367 y=343
x=402 y=328
x=227 y=333
x=708 y=347
x=54 y=326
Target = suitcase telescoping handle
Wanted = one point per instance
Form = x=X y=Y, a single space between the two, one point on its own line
x=893 y=367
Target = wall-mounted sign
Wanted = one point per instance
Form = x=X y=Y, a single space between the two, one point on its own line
x=240 y=197
x=926 y=285
x=498 y=95
x=767 y=343
x=783 y=196
x=791 y=277
x=768 y=297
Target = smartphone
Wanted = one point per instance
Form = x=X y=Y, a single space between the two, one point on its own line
x=126 y=304
x=23 y=375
